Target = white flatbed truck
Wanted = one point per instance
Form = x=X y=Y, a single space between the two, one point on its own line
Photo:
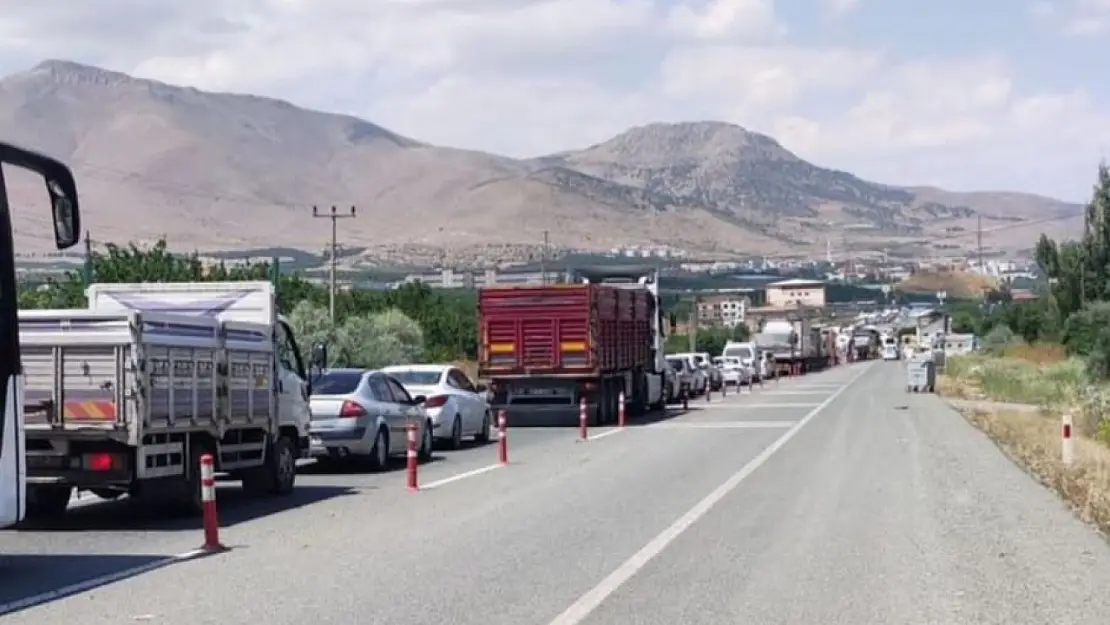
x=125 y=397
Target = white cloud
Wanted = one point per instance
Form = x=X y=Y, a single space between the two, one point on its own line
x=533 y=76
x=840 y=7
x=1077 y=18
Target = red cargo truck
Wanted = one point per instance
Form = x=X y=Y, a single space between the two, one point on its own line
x=543 y=348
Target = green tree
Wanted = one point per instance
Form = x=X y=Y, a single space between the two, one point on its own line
x=446 y=319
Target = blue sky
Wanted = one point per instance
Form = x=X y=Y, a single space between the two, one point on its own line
x=965 y=95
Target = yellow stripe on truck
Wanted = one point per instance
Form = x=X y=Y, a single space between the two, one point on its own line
x=501 y=348
x=573 y=346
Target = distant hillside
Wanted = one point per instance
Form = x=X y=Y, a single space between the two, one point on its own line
x=218 y=171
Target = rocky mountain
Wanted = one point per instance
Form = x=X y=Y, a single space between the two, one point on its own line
x=222 y=171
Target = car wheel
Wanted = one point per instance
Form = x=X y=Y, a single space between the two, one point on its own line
x=379 y=453
x=425 y=451
x=456 y=433
x=486 y=433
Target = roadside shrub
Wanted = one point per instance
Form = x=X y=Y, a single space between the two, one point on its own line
x=1082 y=329
x=1098 y=358
x=369 y=341
x=998 y=339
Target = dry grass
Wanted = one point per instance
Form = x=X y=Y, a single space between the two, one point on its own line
x=1037 y=353
x=1033 y=441
x=1043 y=376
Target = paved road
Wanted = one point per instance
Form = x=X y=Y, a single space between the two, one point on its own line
x=833 y=498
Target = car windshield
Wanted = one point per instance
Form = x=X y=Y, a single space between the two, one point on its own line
x=412 y=377
x=676 y=364
x=742 y=351
x=337 y=382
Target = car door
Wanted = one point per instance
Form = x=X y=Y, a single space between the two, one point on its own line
x=473 y=410
x=386 y=406
x=404 y=411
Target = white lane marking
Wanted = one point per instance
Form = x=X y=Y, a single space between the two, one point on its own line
x=818 y=392
x=760 y=406
x=103 y=580
x=604 y=433
x=587 y=603
x=460 y=476
x=722 y=425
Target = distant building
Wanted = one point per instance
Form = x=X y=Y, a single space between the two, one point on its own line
x=723 y=310
x=796 y=293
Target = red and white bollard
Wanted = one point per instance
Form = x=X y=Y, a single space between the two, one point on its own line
x=583 y=421
x=620 y=410
x=208 y=502
x=502 y=438
x=412 y=459
x=1067 y=443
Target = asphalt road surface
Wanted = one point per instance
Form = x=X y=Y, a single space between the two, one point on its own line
x=831 y=498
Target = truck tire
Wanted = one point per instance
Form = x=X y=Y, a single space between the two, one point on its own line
x=278 y=475
x=47 y=502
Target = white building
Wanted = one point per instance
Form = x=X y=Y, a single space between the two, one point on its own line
x=795 y=293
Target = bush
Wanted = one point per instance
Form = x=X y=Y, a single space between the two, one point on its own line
x=998 y=339
x=1098 y=358
x=1082 y=328
x=368 y=341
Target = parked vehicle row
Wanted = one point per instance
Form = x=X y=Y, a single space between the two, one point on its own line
x=361 y=416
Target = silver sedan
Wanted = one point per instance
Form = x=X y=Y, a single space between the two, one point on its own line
x=364 y=416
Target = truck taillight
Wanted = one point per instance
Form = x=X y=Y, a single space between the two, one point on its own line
x=101 y=462
x=350 y=409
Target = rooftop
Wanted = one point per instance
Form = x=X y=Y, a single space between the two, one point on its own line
x=794 y=283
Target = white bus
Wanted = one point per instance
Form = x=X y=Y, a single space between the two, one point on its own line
x=67 y=225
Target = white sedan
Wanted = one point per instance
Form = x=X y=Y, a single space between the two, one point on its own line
x=733 y=370
x=456 y=406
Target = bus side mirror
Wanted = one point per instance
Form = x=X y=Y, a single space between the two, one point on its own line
x=67 y=221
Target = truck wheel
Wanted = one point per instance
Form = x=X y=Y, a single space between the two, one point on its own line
x=278 y=475
x=47 y=502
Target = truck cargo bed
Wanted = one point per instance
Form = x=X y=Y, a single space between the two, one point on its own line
x=136 y=374
x=563 y=330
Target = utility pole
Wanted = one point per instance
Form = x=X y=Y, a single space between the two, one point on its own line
x=334 y=215
x=979 y=243
x=543 y=260
x=87 y=269
x=695 y=319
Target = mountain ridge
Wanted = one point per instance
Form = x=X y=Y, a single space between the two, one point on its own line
x=232 y=171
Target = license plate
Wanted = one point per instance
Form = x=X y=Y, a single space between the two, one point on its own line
x=540 y=391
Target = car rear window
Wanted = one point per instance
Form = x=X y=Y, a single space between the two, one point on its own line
x=336 y=383
x=416 y=378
